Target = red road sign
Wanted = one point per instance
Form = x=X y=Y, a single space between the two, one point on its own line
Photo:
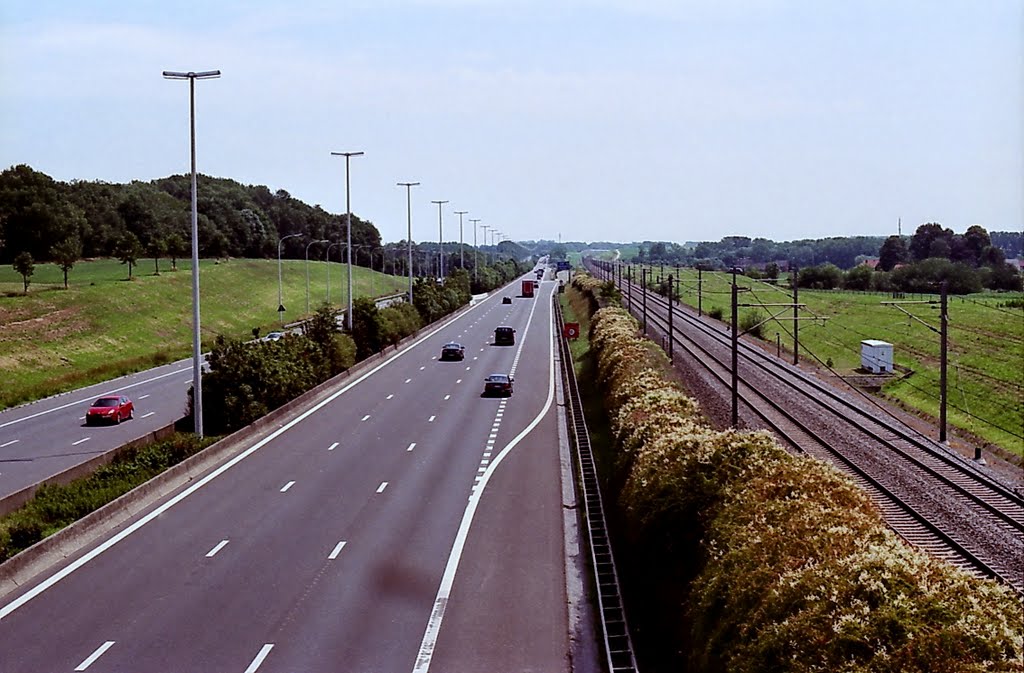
x=571 y=330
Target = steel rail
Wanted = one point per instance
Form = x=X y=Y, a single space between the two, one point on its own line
x=901 y=516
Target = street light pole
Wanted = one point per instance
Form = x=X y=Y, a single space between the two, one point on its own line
x=440 y=240
x=322 y=240
x=327 y=256
x=280 y=298
x=408 y=209
x=475 y=262
x=348 y=230
x=485 y=227
x=462 y=256
x=197 y=368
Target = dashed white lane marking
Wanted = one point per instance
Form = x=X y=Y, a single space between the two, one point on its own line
x=467 y=368
x=13 y=441
x=367 y=416
x=83 y=439
x=389 y=397
x=8 y=608
x=284 y=489
x=411 y=446
x=407 y=380
x=337 y=550
x=258 y=661
x=476 y=357
x=423 y=367
x=383 y=485
x=142 y=397
x=332 y=447
x=94 y=656
x=447 y=397
x=82 y=418
x=456 y=381
x=152 y=413
x=213 y=552
x=431 y=419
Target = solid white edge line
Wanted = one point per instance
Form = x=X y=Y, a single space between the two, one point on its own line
x=213 y=552
x=258 y=661
x=337 y=550
x=426 y=652
x=96 y=551
x=94 y=656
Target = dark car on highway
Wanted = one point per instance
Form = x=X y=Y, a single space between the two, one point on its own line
x=498 y=384
x=453 y=351
x=110 y=409
x=506 y=300
x=504 y=336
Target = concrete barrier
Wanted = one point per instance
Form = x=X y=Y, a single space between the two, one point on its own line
x=13 y=501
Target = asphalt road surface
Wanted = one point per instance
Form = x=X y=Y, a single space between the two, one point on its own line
x=405 y=523
x=45 y=438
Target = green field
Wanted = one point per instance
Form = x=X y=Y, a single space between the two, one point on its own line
x=985 y=356
x=104 y=325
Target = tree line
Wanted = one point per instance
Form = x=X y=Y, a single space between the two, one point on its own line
x=46 y=220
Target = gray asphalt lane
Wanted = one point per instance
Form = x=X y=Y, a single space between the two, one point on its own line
x=345 y=474
x=46 y=437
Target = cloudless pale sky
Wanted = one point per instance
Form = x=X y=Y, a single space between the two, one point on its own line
x=615 y=120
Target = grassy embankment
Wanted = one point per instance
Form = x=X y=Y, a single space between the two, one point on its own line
x=104 y=326
x=986 y=346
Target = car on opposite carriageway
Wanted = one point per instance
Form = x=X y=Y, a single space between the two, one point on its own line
x=110 y=409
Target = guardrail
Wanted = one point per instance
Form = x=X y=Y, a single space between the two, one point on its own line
x=618 y=646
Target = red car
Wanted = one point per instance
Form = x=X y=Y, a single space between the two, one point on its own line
x=110 y=409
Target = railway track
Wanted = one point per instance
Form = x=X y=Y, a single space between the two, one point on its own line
x=934 y=499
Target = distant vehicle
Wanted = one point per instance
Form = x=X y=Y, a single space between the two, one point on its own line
x=540 y=274
x=498 y=384
x=504 y=336
x=506 y=300
x=274 y=336
x=110 y=409
x=453 y=351
x=527 y=288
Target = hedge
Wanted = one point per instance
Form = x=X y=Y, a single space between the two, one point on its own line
x=775 y=562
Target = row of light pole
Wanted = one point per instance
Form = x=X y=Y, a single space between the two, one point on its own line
x=197 y=389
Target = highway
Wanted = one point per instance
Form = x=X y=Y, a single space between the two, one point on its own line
x=45 y=438
x=405 y=523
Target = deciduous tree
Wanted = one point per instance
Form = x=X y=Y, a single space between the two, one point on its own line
x=65 y=254
x=128 y=250
x=26 y=266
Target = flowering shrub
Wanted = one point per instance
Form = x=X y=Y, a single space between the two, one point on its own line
x=784 y=563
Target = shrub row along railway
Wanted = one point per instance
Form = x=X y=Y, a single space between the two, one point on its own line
x=933 y=498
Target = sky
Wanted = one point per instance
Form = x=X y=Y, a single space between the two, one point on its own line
x=584 y=120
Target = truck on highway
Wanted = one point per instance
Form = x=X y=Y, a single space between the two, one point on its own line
x=527 y=288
